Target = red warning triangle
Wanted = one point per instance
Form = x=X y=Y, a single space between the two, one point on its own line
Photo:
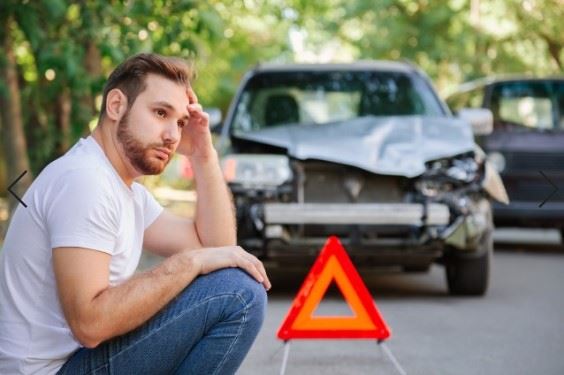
x=333 y=264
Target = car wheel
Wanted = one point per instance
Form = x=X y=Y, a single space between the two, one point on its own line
x=468 y=274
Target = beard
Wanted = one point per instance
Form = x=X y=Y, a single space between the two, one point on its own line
x=139 y=153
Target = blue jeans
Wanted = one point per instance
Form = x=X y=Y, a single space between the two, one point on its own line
x=207 y=329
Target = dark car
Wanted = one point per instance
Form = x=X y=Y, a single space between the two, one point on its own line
x=526 y=145
x=365 y=151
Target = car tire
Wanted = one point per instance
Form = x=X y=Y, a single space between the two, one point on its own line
x=468 y=273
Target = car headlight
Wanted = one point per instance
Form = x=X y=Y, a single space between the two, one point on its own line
x=497 y=160
x=464 y=170
x=255 y=170
x=445 y=174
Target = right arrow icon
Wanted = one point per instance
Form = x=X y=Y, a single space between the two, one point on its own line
x=552 y=193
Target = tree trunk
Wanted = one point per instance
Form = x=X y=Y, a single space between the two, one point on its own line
x=93 y=66
x=554 y=49
x=13 y=138
x=64 y=106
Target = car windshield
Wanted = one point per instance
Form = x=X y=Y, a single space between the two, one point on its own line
x=312 y=98
x=532 y=104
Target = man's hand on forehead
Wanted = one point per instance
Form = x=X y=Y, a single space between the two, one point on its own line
x=196 y=139
x=193 y=105
x=192 y=98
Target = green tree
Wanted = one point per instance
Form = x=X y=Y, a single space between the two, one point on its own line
x=11 y=131
x=56 y=54
x=452 y=40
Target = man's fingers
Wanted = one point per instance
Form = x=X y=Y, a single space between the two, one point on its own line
x=260 y=268
x=195 y=107
x=205 y=118
x=192 y=98
x=197 y=114
x=257 y=265
x=248 y=266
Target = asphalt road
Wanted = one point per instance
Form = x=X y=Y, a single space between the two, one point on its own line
x=517 y=328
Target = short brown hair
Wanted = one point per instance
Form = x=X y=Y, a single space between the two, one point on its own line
x=130 y=75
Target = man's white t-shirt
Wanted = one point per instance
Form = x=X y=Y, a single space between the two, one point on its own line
x=78 y=200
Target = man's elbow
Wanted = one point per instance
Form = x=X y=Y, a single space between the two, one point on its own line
x=86 y=334
x=88 y=343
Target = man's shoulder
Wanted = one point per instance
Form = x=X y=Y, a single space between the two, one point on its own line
x=68 y=169
x=140 y=191
x=138 y=187
x=83 y=155
x=81 y=174
x=67 y=176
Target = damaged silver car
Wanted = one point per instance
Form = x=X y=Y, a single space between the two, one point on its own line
x=365 y=151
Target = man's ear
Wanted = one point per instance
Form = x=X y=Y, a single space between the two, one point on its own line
x=116 y=104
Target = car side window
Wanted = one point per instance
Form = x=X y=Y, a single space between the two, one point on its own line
x=527 y=104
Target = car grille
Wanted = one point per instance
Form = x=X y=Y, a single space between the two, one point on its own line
x=327 y=182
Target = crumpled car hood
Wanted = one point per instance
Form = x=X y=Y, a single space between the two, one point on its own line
x=398 y=145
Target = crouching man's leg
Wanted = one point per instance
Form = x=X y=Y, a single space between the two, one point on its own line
x=207 y=329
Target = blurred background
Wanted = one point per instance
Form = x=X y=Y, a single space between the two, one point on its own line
x=56 y=54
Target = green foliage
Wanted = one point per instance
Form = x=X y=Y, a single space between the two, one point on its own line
x=65 y=49
x=452 y=40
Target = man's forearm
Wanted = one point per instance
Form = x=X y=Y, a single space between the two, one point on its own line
x=122 y=308
x=215 y=214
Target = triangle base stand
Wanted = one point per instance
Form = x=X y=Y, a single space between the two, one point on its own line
x=381 y=344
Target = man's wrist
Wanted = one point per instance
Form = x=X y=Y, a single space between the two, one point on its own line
x=210 y=156
x=190 y=261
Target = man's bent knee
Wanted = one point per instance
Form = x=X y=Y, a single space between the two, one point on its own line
x=236 y=282
x=241 y=283
x=248 y=289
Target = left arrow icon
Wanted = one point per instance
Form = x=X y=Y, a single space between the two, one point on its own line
x=14 y=194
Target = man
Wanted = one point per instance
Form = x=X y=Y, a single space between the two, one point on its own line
x=69 y=302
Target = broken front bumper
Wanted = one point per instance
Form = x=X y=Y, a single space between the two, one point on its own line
x=369 y=214
x=394 y=233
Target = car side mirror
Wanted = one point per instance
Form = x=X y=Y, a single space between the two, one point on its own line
x=215 y=119
x=481 y=119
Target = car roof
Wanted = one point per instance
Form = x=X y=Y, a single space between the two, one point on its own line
x=375 y=65
x=470 y=85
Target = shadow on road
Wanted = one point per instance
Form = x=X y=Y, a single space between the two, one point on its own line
x=530 y=248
